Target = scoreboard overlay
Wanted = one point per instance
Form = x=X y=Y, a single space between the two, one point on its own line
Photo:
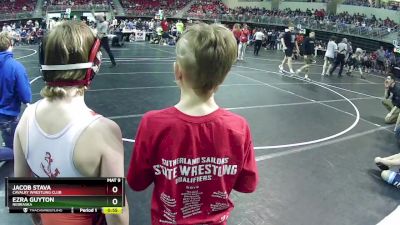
x=65 y=195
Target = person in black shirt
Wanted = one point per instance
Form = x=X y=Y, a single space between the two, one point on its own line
x=340 y=57
x=392 y=104
x=288 y=43
x=308 y=52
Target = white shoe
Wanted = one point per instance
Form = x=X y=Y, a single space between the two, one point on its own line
x=292 y=72
x=322 y=74
x=306 y=77
x=298 y=72
x=280 y=68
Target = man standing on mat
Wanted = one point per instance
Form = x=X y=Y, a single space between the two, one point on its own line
x=340 y=58
x=392 y=105
x=288 y=43
x=102 y=31
x=14 y=90
x=258 y=37
x=329 y=55
x=381 y=59
x=308 y=51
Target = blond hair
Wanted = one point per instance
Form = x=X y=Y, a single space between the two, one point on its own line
x=68 y=43
x=206 y=53
x=236 y=26
x=5 y=41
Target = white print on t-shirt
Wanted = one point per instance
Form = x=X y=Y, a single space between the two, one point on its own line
x=168 y=214
x=191 y=201
x=195 y=170
x=219 y=206
x=223 y=218
x=167 y=200
x=220 y=194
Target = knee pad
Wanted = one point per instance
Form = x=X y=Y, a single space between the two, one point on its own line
x=394 y=179
x=397 y=133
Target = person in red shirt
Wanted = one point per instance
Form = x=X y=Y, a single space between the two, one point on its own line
x=244 y=38
x=195 y=152
x=164 y=25
x=237 y=32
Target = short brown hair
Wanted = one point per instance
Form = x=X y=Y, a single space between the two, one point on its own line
x=206 y=53
x=5 y=41
x=68 y=43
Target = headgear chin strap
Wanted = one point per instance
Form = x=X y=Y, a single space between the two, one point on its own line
x=92 y=66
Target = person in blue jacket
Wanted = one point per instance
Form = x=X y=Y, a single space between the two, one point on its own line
x=14 y=90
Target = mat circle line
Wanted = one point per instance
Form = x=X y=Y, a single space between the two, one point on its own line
x=28 y=49
x=306 y=142
x=316 y=140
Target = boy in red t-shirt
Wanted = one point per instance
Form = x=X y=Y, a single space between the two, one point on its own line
x=244 y=38
x=165 y=26
x=195 y=153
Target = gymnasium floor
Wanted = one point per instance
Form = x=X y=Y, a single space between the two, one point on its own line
x=315 y=140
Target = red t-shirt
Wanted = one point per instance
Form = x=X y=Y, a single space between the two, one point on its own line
x=237 y=34
x=164 y=26
x=194 y=162
x=244 y=36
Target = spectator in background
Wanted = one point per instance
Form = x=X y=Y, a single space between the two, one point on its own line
x=380 y=61
x=165 y=25
x=244 y=38
x=180 y=27
x=308 y=47
x=237 y=32
x=14 y=90
x=258 y=37
x=329 y=55
x=392 y=100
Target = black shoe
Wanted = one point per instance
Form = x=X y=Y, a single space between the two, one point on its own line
x=382 y=166
x=113 y=65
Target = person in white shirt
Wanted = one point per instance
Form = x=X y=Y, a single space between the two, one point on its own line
x=258 y=37
x=102 y=32
x=340 y=58
x=54 y=137
x=115 y=22
x=329 y=55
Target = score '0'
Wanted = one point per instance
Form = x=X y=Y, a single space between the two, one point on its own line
x=115 y=201
x=115 y=189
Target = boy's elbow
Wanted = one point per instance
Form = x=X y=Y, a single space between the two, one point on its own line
x=27 y=99
x=122 y=219
x=137 y=184
x=247 y=185
x=248 y=189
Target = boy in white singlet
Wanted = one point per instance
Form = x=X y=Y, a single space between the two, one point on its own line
x=59 y=136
